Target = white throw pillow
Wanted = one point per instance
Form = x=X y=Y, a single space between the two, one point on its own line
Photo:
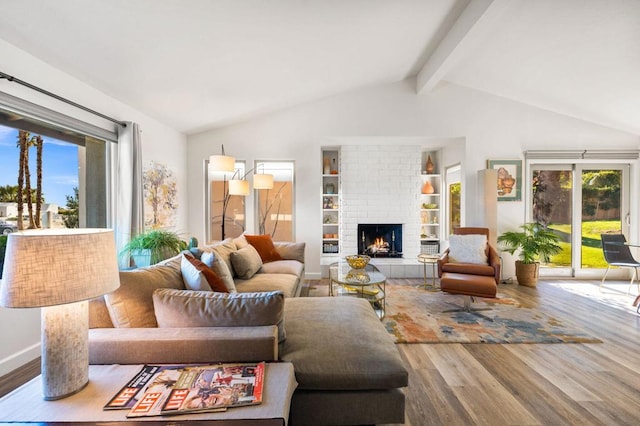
x=470 y=248
x=192 y=277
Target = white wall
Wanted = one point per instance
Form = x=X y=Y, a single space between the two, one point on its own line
x=492 y=127
x=20 y=329
x=380 y=185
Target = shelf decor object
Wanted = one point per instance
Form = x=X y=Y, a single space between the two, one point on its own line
x=427 y=188
x=327 y=166
x=429 y=166
x=60 y=270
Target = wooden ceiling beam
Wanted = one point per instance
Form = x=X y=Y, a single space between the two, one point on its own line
x=477 y=16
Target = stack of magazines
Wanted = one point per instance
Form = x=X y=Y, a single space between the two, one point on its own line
x=159 y=390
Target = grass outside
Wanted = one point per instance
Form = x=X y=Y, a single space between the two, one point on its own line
x=591 y=256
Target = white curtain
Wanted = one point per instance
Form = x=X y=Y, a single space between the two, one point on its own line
x=128 y=214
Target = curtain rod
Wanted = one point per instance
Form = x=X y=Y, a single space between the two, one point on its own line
x=60 y=98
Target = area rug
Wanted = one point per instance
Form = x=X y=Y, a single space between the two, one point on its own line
x=414 y=315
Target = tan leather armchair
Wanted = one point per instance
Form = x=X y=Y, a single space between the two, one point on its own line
x=492 y=268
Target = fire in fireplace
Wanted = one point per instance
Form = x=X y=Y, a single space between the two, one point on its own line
x=380 y=239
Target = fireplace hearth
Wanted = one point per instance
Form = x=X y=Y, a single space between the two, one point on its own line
x=380 y=239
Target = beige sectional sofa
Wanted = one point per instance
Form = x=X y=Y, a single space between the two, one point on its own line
x=347 y=368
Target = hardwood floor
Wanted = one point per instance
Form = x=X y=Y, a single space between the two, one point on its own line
x=19 y=376
x=522 y=384
x=545 y=384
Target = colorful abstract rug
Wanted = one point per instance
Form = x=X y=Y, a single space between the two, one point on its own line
x=414 y=315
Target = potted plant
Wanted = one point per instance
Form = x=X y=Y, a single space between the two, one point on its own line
x=151 y=247
x=535 y=242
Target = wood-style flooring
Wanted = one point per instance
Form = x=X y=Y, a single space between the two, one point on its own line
x=533 y=384
x=521 y=384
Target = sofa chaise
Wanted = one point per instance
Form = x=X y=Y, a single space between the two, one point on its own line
x=347 y=367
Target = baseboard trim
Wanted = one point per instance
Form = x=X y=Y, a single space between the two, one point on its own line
x=10 y=363
x=313 y=276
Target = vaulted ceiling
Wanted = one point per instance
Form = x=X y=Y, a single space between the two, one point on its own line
x=200 y=64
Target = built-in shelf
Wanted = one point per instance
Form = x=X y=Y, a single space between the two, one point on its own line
x=430 y=204
x=330 y=201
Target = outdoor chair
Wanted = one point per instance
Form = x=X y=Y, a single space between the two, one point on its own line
x=617 y=253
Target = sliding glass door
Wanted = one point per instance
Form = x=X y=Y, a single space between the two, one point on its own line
x=580 y=202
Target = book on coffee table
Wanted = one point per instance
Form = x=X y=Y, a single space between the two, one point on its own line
x=201 y=388
x=130 y=393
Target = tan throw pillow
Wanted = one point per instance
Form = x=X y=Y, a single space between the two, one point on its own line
x=240 y=242
x=99 y=314
x=221 y=270
x=223 y=251
x=290 y=251
x=131 y=305
x=469 y=248
x=176 y=309
x=246 y=262
x=198 y=276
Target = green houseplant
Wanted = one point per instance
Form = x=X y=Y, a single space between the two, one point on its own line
x=153 y=246
x=535 y=242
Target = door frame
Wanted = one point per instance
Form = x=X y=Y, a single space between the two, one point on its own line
x=628 y=221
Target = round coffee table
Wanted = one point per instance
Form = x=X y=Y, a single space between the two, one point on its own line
x=368 y=283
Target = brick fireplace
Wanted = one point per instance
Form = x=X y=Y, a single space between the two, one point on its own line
x=380 y=185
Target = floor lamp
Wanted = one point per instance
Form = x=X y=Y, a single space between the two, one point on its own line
x=60 y=270
x=226 y=164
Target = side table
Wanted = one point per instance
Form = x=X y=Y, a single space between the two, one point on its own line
x=25 y=404
x=429 y=259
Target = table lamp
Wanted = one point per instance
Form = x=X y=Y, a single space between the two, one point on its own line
x=60 y=270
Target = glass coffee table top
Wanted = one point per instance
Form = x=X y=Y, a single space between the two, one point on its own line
x=368 y=283
x=342 y=273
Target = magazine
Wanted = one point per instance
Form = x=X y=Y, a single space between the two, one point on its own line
x=203 y=388
x=127 y=397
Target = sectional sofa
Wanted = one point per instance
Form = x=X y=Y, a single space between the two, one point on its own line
x=347 y=367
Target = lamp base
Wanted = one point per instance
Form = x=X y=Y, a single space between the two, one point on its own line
x=65 y=349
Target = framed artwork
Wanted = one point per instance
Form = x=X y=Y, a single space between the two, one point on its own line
x=509 y=179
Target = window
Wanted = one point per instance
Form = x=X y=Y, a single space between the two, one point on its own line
x=579 y=202
x=226 y=213
x=70 y=197
x=274 y=207
x=580 y=198
x=454 y=188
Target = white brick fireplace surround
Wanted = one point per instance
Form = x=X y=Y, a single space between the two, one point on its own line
x=381 y=184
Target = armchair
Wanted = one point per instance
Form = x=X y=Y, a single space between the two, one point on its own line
x=475 y=275
x=491 y=268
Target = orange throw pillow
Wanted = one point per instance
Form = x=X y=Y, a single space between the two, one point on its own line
x=215 y=282
x=264 y=246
